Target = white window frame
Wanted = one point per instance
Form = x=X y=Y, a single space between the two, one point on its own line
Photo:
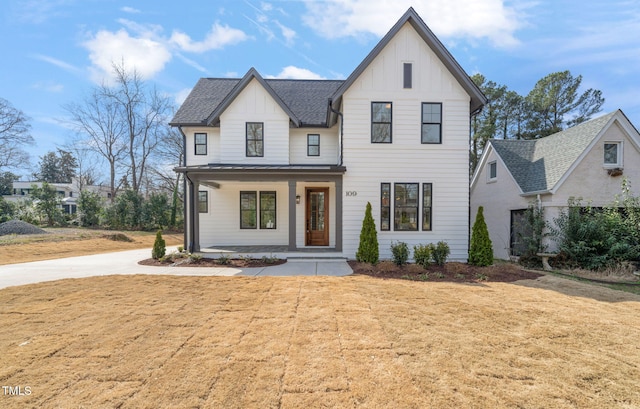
x=491 y=164
x=618 y=163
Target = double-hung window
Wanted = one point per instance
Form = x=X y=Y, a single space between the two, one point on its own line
x=405 y=207
x=431 y=122
x=200 y=140
x=203 y=201
x=313 y=145
x=267 y=210
x=255 y=139
x=248 y=210
x=381 y=122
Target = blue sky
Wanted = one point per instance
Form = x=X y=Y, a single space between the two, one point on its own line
x=56 y=50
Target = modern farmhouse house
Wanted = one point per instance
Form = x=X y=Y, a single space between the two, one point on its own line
x=587 y=161
x=289 y=165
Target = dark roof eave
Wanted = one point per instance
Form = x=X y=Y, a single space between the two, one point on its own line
x=261 y=169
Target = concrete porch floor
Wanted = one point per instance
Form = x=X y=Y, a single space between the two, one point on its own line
x=307 y=253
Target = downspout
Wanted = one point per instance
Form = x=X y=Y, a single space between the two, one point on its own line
x=187 y=240
x=341 y=128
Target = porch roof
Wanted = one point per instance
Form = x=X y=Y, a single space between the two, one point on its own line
x=244 y=169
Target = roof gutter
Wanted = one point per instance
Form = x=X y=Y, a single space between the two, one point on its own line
x=536 y=193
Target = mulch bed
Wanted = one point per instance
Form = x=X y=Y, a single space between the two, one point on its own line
x=450 y=272
x=209 y=262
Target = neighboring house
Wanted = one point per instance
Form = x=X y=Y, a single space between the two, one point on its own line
x=293 y=163
x=587 y=162
x=68 y=192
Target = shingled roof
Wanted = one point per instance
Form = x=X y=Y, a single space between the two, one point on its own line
x=306 y=100
x=538 y=165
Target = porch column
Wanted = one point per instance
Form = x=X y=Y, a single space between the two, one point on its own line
x=292 y=215
x=195 y=216
x=338 y=183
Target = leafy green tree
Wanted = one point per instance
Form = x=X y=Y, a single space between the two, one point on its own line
x=159 y=246
x=368 y=250
x=126 y=211
x=156 y=211
x=7 y=210
x=89 y=207
x=481 y=249
x=553 y=98
x=57 y=167
x=47 y=202
x=6 y=182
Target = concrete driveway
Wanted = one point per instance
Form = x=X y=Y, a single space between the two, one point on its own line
x=126 y=262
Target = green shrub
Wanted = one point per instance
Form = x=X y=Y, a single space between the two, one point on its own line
x=159 y=247
x=422 y=254
x=440 y=253
x=224 y=260
x=400 y=253
x=481 y=249
x=368 y=251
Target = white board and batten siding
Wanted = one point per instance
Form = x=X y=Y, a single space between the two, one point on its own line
x=213 y=145
x=329 y=146
x=254 y=104
x=406 y=159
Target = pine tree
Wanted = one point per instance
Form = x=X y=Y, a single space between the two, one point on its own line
x=481 y=251
x=159 y=247
x=368 y=251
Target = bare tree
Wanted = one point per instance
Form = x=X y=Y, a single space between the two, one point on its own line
x=144 y=114
x=14 y=136
x=98 y=119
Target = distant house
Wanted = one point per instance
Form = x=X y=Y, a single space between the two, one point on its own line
x=289 y=165
x=68 y=193
x=587 y=161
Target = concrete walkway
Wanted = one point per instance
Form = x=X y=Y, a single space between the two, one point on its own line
x=126 y=263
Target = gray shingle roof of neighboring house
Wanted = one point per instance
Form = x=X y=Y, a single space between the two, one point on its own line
x=308 y=100
x=538 y=165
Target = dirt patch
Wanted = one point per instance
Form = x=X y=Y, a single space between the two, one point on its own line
x=291 y=342
x=450 y=272
x=61 y=243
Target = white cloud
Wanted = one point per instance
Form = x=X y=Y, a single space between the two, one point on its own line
x=145 y=54
x=296 y=73
x=288 y=34
x=181 y=95
x=218 y=37
x=489 y=19
x=130 y=10
x=56 y=62
x=48 y=86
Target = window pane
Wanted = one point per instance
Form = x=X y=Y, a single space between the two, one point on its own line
x=382 y=112
x=431 y=113
x=407 y=75
x=381 y=133
x=493 y=170
x=431 y=133
x=200 y=143
x=385 y=206
x=248 y=210
x=255 y=139
x=406 y=206
x=426 y=206
x=203 y=205
x=611 y=153
x=201 y=138
x=313 y=145
x=267 y=210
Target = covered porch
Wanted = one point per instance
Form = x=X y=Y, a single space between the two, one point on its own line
x=305 y=218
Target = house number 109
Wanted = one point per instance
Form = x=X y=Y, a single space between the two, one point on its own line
x=351 y=193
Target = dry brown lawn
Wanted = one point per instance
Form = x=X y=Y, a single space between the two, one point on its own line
x=317 y=342
x=61 y=243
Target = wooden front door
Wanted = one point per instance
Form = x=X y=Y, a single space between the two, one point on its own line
x=317 y=216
